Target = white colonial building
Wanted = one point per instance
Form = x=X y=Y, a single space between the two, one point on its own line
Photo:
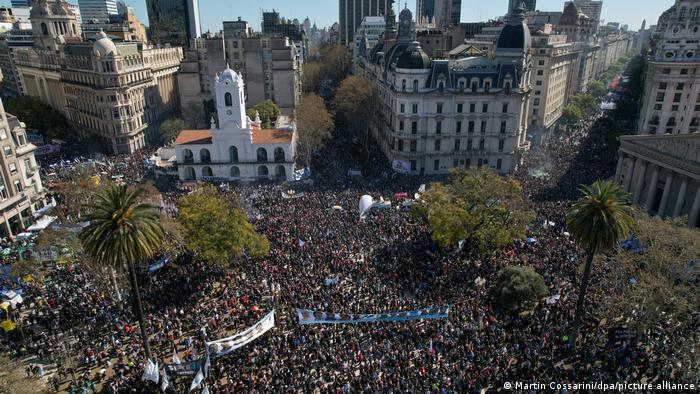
x=238 y=148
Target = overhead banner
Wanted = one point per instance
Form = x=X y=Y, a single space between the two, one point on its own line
x=227 y=345
x=159 y=264
x=307 y=316
x=400 y=166
x=184 y=369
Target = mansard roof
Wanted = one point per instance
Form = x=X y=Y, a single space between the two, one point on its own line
x=470 y=68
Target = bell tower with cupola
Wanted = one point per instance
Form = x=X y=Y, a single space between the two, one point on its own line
x=52 y=22
x=230 y=100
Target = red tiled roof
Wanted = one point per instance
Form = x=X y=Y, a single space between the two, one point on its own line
x=272 y=136
x=193 y=137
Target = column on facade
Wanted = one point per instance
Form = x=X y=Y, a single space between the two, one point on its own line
x=667 y=192
x=695 y=210
x=640 y=181
x=681 y=198
x=21 y=220
x=620 y=162
x=628 y=174
x=651 y=192
x=8 y=229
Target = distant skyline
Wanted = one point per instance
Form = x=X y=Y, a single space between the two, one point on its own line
x=325 y=12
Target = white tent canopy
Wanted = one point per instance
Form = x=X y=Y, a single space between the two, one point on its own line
x=365 y=204
x=42 y=223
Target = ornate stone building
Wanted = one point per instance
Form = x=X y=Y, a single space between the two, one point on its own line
x=21 y=191
x=661 y=166
x=238 y=148
x=663 y=173
x=118 y=91
x=671 y=101
x=442 y=114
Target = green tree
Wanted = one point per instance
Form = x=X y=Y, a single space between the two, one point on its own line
x=313 y=77
x=337 y=60
x=268 y=111
x=478 y=206
x=170 y=129
x=217 y=228
x=664 y=293
x=78 y=190
x=587 y=103
x=598 y=221
x=39 y=116
x=518 y=288
x=357 y=106
x=597 y=89
x=332 y=64
x=314 y=124
x=123 y=231
x=572 y=115
x=194 y=117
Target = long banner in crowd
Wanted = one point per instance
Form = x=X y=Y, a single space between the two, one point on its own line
x=227 y=345
x=307 y=316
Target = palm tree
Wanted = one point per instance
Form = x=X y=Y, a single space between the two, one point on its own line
x=598 y=221
x=123 y=231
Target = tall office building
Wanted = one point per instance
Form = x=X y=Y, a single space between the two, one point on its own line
x=352 y=12
x=97 y=11
x=173 y=22
x=425 y=11
x=20 y=3
x=442 y=13
x=530 y=5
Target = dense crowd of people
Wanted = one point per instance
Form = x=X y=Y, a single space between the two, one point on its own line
x=384 y=262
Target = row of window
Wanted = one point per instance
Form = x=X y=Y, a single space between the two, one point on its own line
x=439 y=108
x=234 y=172
x=467 y=163
x=471 y=125
x=205 y=155
x=413 y=145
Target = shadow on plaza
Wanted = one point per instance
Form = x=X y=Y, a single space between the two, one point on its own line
x=593 y=158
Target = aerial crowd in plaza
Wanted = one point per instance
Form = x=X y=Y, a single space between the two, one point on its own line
x=324 y=257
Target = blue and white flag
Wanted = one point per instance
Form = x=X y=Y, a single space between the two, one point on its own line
x=198 y=378
x=165 y=382
x=307 y=316
x=227 y=345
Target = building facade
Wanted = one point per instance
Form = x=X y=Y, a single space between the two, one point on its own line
x=662 y=172
x=97 y=11
x=9 y=41
x=369 y=31
x=117 y=91
x=238 y=148
x=352 y=12
x=671 y=100
x=555 y=70
x=173 y=22
x=21 y=191
x=271 y=65
x=444 y=114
